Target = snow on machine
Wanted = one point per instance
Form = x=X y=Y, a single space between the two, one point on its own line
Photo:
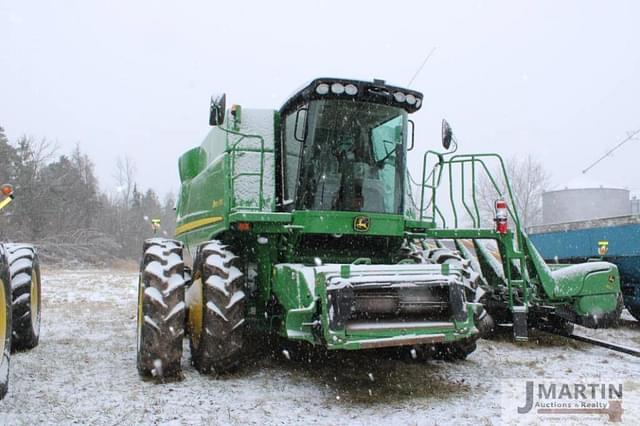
x=298 y=223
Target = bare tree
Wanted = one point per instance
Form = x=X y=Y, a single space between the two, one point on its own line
x=528 y=179
x=61 y=209
x=125 y=176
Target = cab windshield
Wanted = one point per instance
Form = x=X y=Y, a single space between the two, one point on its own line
x=352 y=158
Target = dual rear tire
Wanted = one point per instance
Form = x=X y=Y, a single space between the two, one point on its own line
x=217 y=312
x=161 y=309
x=214 y=318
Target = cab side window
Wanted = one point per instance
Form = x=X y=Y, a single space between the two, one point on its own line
x=291 y=153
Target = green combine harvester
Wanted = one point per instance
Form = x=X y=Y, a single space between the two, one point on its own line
x=19 y=298
x=300 y=223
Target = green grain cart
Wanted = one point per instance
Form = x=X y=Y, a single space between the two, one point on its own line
x=299 y=223
x=19 y=298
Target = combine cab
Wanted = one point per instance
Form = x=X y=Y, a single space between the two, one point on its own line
x=299 y=223
x=19 y=298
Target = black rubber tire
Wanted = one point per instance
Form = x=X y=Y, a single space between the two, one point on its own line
x=483 y=320
x=485 y=324
x=455 y=351
x=219 y=346
x=5 y=344
x=563 y=327
x=556 y=325
x=161 y=310
x=24 y=267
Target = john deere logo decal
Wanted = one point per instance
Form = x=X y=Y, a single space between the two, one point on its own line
x=361 y=223
x=603 y=247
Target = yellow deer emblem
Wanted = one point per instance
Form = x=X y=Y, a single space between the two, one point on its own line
x=361 y=223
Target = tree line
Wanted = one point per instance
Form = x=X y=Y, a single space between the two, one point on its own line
x=60 y=208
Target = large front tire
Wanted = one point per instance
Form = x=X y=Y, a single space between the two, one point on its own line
x=217 y=320
x=24 y=267
x=460 y=349
x=161 y=309
x=5 y=323
x=452 y=351
x=456 y=351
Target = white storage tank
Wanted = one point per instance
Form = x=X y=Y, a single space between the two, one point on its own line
x=584 y=199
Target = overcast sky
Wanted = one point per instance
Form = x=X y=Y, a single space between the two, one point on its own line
x=560 y=79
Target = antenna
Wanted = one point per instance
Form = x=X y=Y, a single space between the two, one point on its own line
x=629 y=137
x=421 y=66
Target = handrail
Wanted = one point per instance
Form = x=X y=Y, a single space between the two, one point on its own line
x=435 y=183
x=460 y=162
x=463 y=158
x=233 y=150
x=478 y=164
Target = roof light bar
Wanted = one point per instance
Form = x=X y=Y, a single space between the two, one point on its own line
x=337 y=88
x=322 y=89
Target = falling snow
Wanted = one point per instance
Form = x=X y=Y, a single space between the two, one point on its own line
x=84 y=371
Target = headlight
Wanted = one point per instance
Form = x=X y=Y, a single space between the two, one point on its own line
x=350 y=89
x=399 y=96
x=322 y=89
x=411 y=100
x=418 y=102
x=337 y=88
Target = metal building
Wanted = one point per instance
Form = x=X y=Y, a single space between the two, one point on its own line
x=584 y=200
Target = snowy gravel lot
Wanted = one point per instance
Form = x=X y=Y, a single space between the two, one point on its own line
x=84 y=372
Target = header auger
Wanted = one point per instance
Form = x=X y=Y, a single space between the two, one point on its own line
x=299 y=225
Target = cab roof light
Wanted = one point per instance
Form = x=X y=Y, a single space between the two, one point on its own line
x=337 y=88
x=351 y=89
x=322 y=89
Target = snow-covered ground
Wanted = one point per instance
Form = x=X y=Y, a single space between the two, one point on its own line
x=84 y=372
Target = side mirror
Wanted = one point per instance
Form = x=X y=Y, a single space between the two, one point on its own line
x=447 y=134
x=216 y=114
x=413 y=134
x=300 y=131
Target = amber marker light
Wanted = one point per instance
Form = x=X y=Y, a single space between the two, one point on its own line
x=7 y=190
x=244 y=226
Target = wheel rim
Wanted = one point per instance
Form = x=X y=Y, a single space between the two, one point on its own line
x=3 y=319
x=35 y=302
x=196 y=315
x=140 y=318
